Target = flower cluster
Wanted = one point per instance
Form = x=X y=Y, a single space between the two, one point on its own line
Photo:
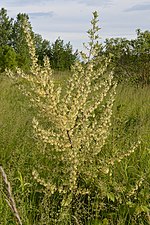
x=72 y=126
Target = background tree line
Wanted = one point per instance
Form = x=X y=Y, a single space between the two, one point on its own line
x=14 y=50
x=130 y=58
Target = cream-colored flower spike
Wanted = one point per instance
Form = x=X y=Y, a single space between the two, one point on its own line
x=77 y=122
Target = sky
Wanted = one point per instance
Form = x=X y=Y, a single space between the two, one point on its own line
x=70 y=19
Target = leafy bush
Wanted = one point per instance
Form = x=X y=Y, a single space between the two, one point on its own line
x=7 y=58
x=131 y=58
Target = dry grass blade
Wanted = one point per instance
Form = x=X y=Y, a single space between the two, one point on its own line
x=10 y=199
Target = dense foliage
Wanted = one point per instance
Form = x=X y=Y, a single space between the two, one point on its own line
x=131 y=58
x=13 y=46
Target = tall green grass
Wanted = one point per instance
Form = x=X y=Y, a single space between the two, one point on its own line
x=19 y=155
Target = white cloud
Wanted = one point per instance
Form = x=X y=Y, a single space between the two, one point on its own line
x=25 y=2
x=41 y=14
x=96 y=2
x=70 y=19
x=139 y=7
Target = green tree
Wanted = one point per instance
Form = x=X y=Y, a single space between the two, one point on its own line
x=61 y=55
x=69 y=56
x=7 y=54
x=141 y=56
x=131 y=58
x=19 y=41
x=6 y=26
x=42 y=48
x=57 y=54
x=7 y=58
x=119 y=50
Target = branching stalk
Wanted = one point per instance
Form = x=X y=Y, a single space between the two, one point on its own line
x=10 y=200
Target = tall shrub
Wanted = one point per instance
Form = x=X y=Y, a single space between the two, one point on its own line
x=74 y=170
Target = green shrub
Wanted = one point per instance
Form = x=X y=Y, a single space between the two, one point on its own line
x=7 y=58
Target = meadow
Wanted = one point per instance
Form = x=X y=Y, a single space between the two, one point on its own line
x=75 y=146
x=19 y=154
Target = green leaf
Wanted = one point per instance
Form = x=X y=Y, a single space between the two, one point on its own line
x=141 y=208
x=105 y=222
x=111 y=196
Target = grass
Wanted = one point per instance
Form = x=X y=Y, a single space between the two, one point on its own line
x=19 y=155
